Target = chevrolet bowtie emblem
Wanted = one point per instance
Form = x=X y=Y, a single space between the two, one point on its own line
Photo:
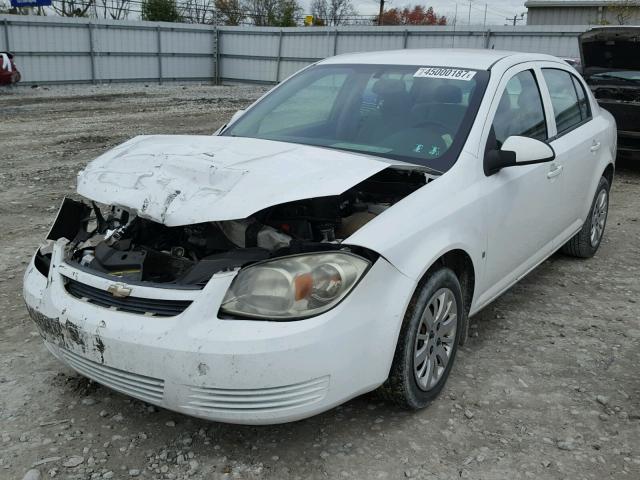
x=119 y=290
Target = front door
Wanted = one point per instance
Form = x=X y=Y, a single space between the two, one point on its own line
x=521 y=221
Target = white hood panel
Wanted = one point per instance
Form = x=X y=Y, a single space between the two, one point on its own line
x=182 y=179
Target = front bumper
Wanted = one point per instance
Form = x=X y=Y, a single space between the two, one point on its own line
x=236 y=371
x=625 y=113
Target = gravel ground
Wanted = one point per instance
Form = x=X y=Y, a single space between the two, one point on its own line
x=547 y=387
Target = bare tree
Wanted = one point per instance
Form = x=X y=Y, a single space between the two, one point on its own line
x=332 y=12
x=72 y=8
x=262 y=11
x=198 y=11
x=273 y=13
x=624 y=10
x=320 y=12
x=230 y=12
x=113 y=9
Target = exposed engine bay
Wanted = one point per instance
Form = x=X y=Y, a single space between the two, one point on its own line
x=115 y=242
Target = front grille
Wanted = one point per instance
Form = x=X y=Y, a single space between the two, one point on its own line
x=142 y=306
x=628 y=140
x=259 y=399
x=142 y=387
x=626 y=114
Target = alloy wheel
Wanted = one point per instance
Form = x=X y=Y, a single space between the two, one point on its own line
x=599 y=217
x=435 y=339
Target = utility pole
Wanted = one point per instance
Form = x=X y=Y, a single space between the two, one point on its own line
x=455 y=24
x=484 y=23
x=469 y=22
x=380 y=15
x=515 y=19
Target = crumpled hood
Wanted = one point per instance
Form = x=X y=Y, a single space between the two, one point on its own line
x=185 y=179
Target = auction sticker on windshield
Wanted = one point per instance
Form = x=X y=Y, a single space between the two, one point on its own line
x=449 y=73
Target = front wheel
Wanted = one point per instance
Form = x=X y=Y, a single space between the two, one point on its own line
x=428 y=341
x=585 y=243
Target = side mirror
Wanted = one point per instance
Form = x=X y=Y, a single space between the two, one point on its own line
x=515 y=151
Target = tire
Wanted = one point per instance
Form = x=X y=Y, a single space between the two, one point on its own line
x=585 y=243
x=405 y=386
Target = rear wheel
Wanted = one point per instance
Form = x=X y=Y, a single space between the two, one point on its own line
x=585 y=243
x=428 y=342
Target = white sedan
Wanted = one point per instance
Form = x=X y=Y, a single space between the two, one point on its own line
x=333 y=238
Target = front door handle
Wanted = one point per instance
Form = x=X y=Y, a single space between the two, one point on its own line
x=595 y=147
x=556 y=170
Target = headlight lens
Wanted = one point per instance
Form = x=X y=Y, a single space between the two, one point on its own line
x=294 y=287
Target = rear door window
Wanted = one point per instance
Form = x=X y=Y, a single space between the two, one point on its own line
x=568 y=110
x=583 y=102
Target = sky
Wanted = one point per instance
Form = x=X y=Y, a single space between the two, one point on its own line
x=497 y=10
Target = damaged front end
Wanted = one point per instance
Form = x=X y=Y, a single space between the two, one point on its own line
x=117 y=244
x=180 y=300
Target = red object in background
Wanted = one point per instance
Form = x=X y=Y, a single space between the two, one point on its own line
x=8 y=71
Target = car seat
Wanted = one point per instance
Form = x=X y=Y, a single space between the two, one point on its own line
x=394 y=103
x=444 y=106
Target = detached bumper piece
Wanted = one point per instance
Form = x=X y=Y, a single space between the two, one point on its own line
x=142 y=306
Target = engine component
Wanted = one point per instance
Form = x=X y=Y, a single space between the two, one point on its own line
x=377 y=208
x=353 y=223
x=250 y=233
x=202 y=271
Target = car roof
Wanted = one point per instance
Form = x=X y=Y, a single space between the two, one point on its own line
x=473 y=58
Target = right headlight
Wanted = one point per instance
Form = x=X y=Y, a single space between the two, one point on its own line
x=293 y=287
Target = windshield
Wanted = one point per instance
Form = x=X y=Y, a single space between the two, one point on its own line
x=623 y=75
x=420 y=115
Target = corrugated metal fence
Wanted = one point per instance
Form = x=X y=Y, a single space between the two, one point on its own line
x=272 y=54
x=75 y=50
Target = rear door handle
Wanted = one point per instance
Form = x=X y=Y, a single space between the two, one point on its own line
x=595 y=147
x=557 y=170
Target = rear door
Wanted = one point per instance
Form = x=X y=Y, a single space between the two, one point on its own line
x=577 y=140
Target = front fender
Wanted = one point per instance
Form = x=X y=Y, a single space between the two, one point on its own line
x=412 y=236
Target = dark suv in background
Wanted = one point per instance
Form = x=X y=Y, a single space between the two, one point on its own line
x=611 y=67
